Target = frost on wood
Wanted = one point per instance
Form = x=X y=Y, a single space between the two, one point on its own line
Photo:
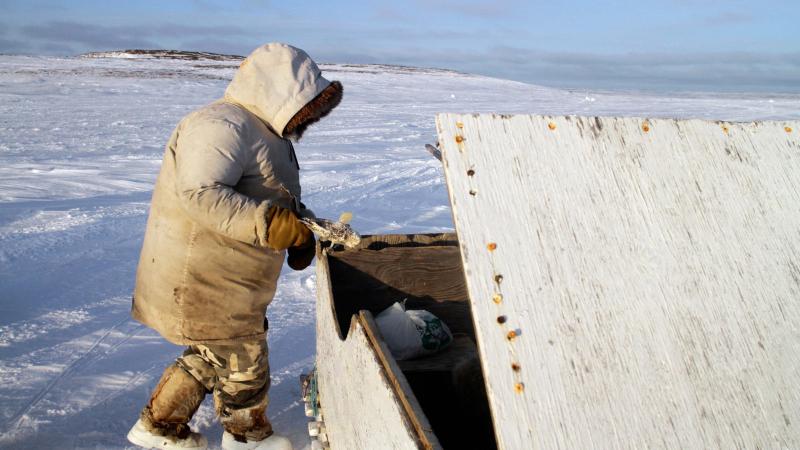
x=633 y=282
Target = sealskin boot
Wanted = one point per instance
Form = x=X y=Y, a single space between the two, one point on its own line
x=272 y=442
x=249 y=429
x=142 y=436
x=163 y=423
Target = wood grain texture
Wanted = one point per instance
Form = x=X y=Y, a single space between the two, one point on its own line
x=649 y=271
x=426 y=277
x=360 y=404
x=416 y=416
x=432 y=272
x=379 y=241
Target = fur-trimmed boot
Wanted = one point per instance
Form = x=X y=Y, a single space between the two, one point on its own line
x=249 y=429
x=163 y=423
x=272 y=442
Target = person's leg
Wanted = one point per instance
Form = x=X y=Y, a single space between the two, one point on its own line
x=242 y=382
x=164 y=421
x=195 y=363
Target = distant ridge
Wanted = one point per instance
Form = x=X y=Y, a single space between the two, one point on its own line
x=163 y=54
x=208 y=56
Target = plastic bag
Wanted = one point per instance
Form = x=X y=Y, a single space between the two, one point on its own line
x=414 y=333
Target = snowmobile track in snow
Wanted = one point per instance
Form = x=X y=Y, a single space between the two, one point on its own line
x=90 y=355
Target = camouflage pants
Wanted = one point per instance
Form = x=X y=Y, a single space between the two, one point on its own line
x=238 y=376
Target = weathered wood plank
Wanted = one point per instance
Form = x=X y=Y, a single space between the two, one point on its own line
x=431 y=272
x=379 y=241
x=361 y=407
x=428 y=277
x=402 y=390
x=649 y=272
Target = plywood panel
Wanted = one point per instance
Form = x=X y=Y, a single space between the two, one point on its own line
x=647 y=270
x=425 y=277
x=432 y=271
x=361 y=406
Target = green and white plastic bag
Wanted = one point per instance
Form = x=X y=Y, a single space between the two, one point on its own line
x=412 y=333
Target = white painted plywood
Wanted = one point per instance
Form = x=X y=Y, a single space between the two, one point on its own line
x=360 y=408
x=651 y=272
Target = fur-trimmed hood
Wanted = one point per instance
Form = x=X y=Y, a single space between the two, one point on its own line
x=275 y=82
x=314 y=110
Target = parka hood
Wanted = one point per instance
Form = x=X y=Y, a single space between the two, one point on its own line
x=275 y=82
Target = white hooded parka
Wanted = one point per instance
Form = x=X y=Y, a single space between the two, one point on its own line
x=205 y=274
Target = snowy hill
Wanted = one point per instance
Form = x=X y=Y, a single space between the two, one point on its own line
x=81 y=141
x=163 y=54
x=206 y=56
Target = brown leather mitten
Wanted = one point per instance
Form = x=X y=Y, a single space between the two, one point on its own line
x=284 y=230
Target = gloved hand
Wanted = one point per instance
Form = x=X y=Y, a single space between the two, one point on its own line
x=305 y=212
x=300 y=257
x=285 y=231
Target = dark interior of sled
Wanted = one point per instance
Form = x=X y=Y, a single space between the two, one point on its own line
x=426 y=272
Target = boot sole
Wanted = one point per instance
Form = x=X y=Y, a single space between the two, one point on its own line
x=148 y=440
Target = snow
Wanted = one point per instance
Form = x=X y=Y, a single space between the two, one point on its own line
x=81 y=141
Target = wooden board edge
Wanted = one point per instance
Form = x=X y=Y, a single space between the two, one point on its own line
x=397 y=240
x=322 y=266
x=447 y=154
x=418 y=419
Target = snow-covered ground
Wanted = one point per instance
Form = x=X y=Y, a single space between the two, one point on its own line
x=81 y=141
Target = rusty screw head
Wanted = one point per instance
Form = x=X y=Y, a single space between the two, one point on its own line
x=519 y=388
x=516 y=367
x=459 y=139
x=497 y=298
x=511 y=335
x=787 y=129
x=492 y=246
x=460 y=124
x=551 y=125
x=501 y=319
x=645 y=127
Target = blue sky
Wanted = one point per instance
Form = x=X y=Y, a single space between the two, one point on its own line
x=718 y=45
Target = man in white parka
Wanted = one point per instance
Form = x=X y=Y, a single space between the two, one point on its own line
x=224 y=215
